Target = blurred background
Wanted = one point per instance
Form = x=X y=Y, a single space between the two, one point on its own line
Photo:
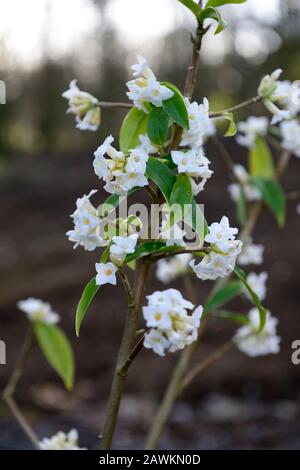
x=45 y=163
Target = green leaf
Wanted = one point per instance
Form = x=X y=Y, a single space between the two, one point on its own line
x=260 y=160
x=223 y=295
x=241 y=208
x=273 y=196
x=113 y=201
x=57 y=350
x=232 y=130
x=87 y=296
x=158 y=124
x=181 y=196
x=144 y=249
x=219 y=3
x=161 y=175
x=210 y=12
x=239 y=318
x=192 y=6
x=175 y=107
x=255 y=299
x=195 y=219
x=134 y=125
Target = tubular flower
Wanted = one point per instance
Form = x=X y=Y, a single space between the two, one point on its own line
x=84 y=106
x=250 y=129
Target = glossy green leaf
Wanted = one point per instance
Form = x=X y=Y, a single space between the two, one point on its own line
x=255 y=299
x=57 y=350
x=273 y=196
x=144 y=249
x=134 y=125
x=175 y=107
x=260 y=160
x=87 y=296
x=161 y=175
x=192 y=6
x=220 y=3
x=223 y=295
x=181 y=197
x=213 y=13
x=158 y=124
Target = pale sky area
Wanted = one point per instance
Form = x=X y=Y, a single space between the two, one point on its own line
x=29 y=28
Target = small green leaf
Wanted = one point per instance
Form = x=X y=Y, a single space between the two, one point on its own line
x=175 y=107
x=273 y=196
x=255 y=299
x=213 y=13
x=57 y=350
x=222 y=296
x=232 y=130
x=134 y=125
x=87 y=296
x=192 y=6
x=144 y=249
x=260 y=160
x=219 y=3
x=238 y=318
x=181 y=197
x=161 y=175
x=158 y=124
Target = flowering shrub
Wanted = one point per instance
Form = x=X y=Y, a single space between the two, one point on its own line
x=162 y=151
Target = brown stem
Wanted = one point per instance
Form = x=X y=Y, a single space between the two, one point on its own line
x=134 y=301
x=225 y=155
x=254 y=100
x=9 y=391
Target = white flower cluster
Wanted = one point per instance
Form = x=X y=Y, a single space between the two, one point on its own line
x=120 y=247
x=84 y=106
x=290 y=131
x=168 y=270
x=251 y=254
x=251 y=193
x=257 y=282
x=87 y=225
x=220 y=261
x=258 y=344
x=145 y=88
x=120 y=172
x=61 y=441
x=200 y=125
x=250 y=129
x=275 y=93
x=171 y=327
x=37 y=310
x=193 y=163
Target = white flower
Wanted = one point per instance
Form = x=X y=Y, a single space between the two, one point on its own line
x=86 y=224
x=257 y=282
x=253 y=127
x=121 y=247
x=120 y=173
x=289 y=96
x=271 y=91
x=200 y=125
x=106 y=274
x=250 y=192
x=167 y=271
x=84 y=106
x=172 y=328
x=172 y=235
x=61 y=441
x=193 y=163
x=254 y=344
x=146 y=88
x=215 y=265
x=37 y=310
x=155 y=340
x=220 y=234
x=290 y=131
x=251 y=254
x=146 y=145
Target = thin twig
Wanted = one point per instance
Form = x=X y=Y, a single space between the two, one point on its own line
x=225 y=155
x=108 y=104
x=135 y=296
x=9 y=391
x=245 y=104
